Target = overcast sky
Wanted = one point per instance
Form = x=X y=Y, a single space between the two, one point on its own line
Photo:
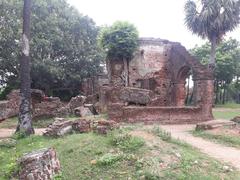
x=153 y=18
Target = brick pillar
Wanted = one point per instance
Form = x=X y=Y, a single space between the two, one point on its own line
x=180 y=94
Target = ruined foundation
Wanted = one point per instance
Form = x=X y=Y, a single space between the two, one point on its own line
x=155 y=88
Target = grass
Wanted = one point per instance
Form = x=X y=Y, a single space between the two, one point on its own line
x=228 y=105
x=164 y=135
x=228 y=140
x=76 y=153
x=190 y=163
x=126 y=142
x=119 y=156
x=225 y=114
x=226 y=111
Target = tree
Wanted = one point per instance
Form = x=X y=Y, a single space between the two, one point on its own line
x=228 y=64
x=120 y=41
x=25 y=119
x=212 y=19
x=64 y=47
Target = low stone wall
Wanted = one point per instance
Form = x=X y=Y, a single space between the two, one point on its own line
x=163 y=115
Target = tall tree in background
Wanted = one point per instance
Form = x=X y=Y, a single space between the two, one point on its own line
x=212 y=19
x=227 y=68
x=63 y=44
x=25 y=119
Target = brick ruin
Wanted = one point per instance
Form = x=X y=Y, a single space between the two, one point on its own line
x=42 y=106
x=152 y=89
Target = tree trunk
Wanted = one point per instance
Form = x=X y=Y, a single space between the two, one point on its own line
x=217 y=92
x=188 y=87
x=220 y=94
x=224 y=93
x=109 y=70
x=125 y=63
x=25 y=119
x=212 y=62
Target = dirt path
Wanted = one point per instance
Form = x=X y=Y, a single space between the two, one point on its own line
x=225 y=154
x=5 y=133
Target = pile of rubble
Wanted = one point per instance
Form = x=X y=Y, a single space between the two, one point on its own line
x=61 y=127
x=58 y=128
x=46 y=107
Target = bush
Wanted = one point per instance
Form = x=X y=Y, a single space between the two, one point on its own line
x=19 y=135
x=127 y=142
x=164 y=135
x=7 y=143
x=11 y=170
x=119 y=40
x=150 y=176
x=109 y=159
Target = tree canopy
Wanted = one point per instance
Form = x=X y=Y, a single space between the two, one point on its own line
x=63 y=45
x=212 y=19
x=119 y=40
x=228 y=63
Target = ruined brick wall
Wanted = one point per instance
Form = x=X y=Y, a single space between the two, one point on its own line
x=162 y=67
x=162 y=115
x=41 y=107
x=92 y=85
x=150 y=69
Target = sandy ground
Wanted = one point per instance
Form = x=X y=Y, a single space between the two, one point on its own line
x=5 y=133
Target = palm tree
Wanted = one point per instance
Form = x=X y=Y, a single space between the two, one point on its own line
x=25 y=119
x=212 y=19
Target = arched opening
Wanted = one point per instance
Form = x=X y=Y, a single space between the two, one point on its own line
x=184 y=87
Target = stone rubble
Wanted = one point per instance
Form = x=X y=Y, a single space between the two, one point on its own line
x=82 y=111
x=81 y=126
x=39 y=165
x=58 y=128
x=208 y=125
x=61 y=127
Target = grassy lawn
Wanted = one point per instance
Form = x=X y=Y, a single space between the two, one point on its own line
x=119 y=156
x=228 y=140
x=225 y=114
x=228 y=105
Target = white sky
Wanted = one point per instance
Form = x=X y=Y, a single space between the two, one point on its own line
x=153 y=18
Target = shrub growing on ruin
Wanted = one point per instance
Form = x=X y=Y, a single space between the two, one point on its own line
x=119 y=40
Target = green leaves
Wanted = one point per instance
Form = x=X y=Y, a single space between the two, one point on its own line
x=120 y=40
x=227 y=59
x=63 y=45
x=214 y=19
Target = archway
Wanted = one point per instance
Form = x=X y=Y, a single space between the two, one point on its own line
x=184 y=87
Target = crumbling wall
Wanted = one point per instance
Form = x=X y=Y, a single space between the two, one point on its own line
x=151 y=69
x=42 y=106
x=156 y=85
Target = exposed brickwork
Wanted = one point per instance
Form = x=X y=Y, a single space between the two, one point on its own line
x=82 y=126
x=162 y=67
